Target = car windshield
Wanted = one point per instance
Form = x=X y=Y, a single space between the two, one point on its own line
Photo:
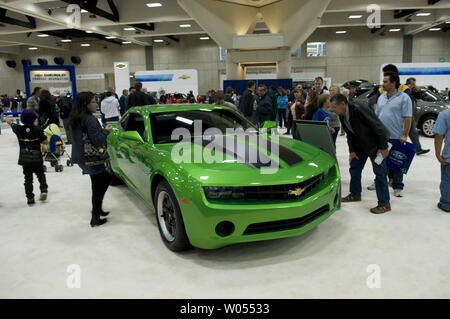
x=163 y=124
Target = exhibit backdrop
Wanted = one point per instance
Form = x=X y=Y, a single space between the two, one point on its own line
x=435 y=74
x=169 y=81
x=121 y=76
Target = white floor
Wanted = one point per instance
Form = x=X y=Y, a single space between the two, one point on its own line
x=126 y=258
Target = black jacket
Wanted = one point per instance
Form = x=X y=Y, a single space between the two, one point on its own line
x=264 y=110
x=48 y=113
x=65 y=107
x=30 y=139
x=369 y=134
x=246 y=104
x=139 y=98
x=95 y=134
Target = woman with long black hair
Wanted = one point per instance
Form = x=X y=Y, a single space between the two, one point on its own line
x=85 y=127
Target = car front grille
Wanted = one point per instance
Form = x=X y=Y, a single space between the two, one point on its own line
x=282 y=192
x=286 y=224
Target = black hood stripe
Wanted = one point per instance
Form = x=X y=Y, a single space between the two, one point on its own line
x=285 y=154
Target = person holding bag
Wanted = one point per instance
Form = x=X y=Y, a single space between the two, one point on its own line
x=89 y=150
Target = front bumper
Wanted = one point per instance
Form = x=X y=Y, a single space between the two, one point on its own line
x=201 y=217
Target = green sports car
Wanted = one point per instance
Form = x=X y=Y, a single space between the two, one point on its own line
x=234 y=198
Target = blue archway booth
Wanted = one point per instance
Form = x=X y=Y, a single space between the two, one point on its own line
x=28 y=68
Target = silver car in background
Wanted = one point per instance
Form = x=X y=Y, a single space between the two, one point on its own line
x=427 y=109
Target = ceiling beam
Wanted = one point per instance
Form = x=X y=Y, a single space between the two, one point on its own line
x=31 y=24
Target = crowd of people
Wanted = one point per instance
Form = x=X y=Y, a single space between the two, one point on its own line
x=388 y=117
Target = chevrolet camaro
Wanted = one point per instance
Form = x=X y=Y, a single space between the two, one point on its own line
x=234 y=198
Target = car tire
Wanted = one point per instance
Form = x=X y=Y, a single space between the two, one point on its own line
x=115 y=181
x=169 y=218
x=427 y=124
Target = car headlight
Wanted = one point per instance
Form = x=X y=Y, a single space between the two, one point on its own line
x=224 y=192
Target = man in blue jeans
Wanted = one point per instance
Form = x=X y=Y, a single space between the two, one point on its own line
x=442 y=131
x=366 y=138
x=394 y=109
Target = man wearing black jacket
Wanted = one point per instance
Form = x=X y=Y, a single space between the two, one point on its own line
x=247 y=101
x=367 y=138
x=139 y=98
x=264 y=109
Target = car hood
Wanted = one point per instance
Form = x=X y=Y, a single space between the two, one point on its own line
x=296 y=161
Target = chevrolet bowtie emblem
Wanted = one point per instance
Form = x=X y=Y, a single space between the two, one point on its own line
x=184 y=77
x=297 y=192
x=121 y=66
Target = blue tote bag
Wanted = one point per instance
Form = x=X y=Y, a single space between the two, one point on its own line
x=401 y=156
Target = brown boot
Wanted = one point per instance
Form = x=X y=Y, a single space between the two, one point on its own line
x=381 y=209
x=351 y=198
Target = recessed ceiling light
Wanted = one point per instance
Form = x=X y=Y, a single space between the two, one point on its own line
x=423 y=14
x=42 y=35
x=185 y=26
x=84 y=11
x=435 y=29
x=85 y=44
x=109 y=38
x=154 y=5
x=204 y=38
x=89 y=31
x=66 y=40
x=448 y=22
x=356 y=16
x=341 y=32
x=32 y=48
x=394 y=30
x=129 y=29
x=159 y=41
x=126 y=42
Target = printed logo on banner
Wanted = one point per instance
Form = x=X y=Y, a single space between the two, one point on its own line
x=121 y=66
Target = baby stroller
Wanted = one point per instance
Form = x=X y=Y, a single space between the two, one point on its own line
x=55 y=148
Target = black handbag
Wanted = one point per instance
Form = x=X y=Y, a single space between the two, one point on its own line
x=93 y=155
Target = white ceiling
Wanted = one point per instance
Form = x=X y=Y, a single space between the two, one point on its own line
x=168 y=18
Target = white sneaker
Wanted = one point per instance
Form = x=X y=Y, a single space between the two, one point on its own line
x=398 y=192
x=372 y=187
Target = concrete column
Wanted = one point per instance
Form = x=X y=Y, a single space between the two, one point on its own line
x=407 y=48
x=284 y=66
x=234 y=69
x=149 y=58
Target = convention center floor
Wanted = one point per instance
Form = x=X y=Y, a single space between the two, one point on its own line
x=354 y=254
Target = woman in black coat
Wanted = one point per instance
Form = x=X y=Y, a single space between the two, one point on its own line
x=48 y=113
x=83 y=122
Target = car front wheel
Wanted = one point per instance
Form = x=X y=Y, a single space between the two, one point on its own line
x=428 y=125
x=170 y=221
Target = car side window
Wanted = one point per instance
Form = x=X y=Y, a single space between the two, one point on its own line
x=427 y=97
x=136 y=122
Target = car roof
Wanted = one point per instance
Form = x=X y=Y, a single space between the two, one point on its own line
x=161 y=108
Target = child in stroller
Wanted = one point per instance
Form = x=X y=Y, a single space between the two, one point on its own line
x=55 y=148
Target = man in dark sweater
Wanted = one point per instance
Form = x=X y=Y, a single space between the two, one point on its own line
x=247 y=101
x=139 y=98
x=264 y=109
x=30 y=137
x=367 y=138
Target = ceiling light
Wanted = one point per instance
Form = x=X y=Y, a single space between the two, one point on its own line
x=435 y=29
x=85 y=44
x=185 y=26
x=423 y=14
x=109 y=38
x=154 y=5
x=358 y=16
x=89 y=31
x=159 y=41
x=84 y=11
x=204 y=38
x=394 y=30
x=341 y=32
x=129 y=29
x=126 y=42
x=448 y=22
x=42 y=35
x=32 y=48
x=66 y=40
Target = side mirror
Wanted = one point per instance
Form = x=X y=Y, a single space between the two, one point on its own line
x=268 y=126
x=133 y=136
